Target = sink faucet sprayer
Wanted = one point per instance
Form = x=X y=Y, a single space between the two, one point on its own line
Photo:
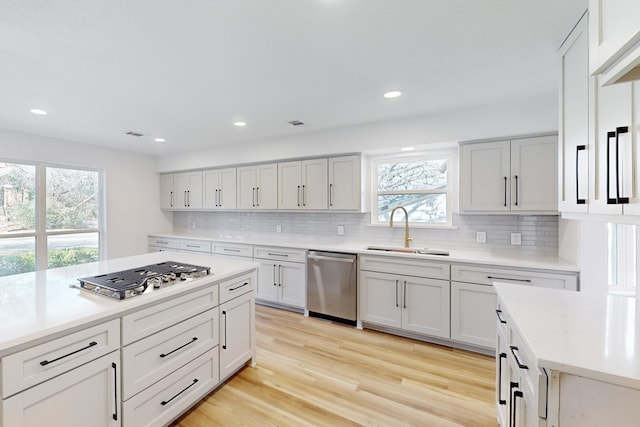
x=407 y=239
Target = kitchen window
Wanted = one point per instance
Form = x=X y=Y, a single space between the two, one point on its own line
x=622 y=259
x=422 y=184
x=50 y=216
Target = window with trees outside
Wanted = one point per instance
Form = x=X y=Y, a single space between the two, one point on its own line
x=50 y=217
x=421 y=184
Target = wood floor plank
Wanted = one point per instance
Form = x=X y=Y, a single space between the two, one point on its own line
x=312 y=372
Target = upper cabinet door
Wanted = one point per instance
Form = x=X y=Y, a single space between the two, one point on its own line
x=614 y=39
x=188 y=190
x=246 y=187
x=534 y=176
x=166 y=191
x=314 y=184
x=289 y=185
x=211 y=187
x=267 y=186
x=485 y=183
x=344 y=183
x=573 y=142
x=219 y=189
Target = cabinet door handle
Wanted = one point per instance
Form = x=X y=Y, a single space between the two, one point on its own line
x=189 y=198
x=220 y=197
x=512 y=386
x=257 y=196
x=164 y=402
x=579 y=148
x=253 y=196
x=330 y=195
x=171 y=199
x=610 y=200
x=397 y=305
x=516 y=190
x=115 y=392
x=46 y=362
x=194 y=339
x=620 y=197
x=507 y=278
x=216 y=199
x=505 y=191
x=238 y=287
x=298 y=196
x=224 y=346
x=404 y=295
x=274 y=275
x=499 y=314
x=304 y=203
x=280 y=275
x=516 y=394
x=499 y=385
x=517 y=357
x=184 y=198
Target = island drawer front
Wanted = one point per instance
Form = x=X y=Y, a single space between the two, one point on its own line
x=178 y=391
x=233 y=249
x=150 y=359
x=150 y=320
x=280 y=254
x=406 y=266
x=39 y=363
x=195 y=246
x=163 y=243
x=232 y=288
x=488 y=275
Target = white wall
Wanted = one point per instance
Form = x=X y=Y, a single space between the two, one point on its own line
x=528 y=116
x=585 y=244
x=131 y=183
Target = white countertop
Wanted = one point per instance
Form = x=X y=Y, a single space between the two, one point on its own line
x=41 y=304
x=585 y=334
x=502 y=258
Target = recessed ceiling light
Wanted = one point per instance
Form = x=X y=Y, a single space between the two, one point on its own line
x=239 y=124
x=38 y=112
x=160 y=140
x=407 y=149
x=392 y=94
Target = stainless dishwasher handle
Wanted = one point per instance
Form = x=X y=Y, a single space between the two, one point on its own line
x=328 y=258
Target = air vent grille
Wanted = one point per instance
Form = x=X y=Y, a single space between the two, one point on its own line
x=137 y=134
x=296 y=123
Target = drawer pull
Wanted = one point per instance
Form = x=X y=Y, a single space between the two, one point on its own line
x=182 y=346
x=499 y=385
x=164 y=402
x=517 y=358
x=238 y=287
x=283 y=255
x=224 y=346
x=231 y=250
x=46 y=362
x=499 y=314
x=193 y=246
x=506 y=278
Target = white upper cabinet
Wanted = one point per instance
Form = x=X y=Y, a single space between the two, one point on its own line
x=614 y=41
x=517 y=175
x=257 y=187
x=573 y=138
x=166 y=191
x=345 y=190
x=187 y=190
x=303 y=184
x=219 y=189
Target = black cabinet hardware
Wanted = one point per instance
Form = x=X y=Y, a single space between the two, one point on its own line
x=194 y=339
x=506 y=278
x=499 y=314
x=499 y=385
x=517 y=358
x=505 y=191
x=164 y=402
x=46 y=362
x=579 y=148
x=224 y=346
x=115 y=392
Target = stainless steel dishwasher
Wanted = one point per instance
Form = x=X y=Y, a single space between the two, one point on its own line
x=332 y=285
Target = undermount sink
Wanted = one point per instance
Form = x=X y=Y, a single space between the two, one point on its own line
x=423 y=251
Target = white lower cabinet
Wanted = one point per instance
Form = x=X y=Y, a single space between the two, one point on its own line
x=237 y=338
x=88 y=395
x=472 y=314
x=414 y=304
x=282 y=276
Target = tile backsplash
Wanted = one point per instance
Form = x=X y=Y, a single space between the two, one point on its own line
x=539 y=233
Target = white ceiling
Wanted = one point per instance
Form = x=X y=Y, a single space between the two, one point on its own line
x=186 y=70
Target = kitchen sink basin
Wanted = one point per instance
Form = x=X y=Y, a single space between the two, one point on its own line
x=423 y=251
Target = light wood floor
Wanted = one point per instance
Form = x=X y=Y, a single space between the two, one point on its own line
x=311 y=372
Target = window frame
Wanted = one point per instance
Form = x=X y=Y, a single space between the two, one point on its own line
x=41 y=234
x=451 y=192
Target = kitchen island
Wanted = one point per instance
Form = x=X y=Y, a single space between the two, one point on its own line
x=566 y=358
x=139 y=361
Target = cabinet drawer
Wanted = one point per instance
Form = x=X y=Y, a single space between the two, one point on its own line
x=166 y=399
x=162 y=243
x=42 y=362
x=405 y=266
x=150 y=320
x=150 y=359
x=280 y=254
x=195 y=246
x=533 y=379
x=233 y=249
x=232 y=288
x=488 y=275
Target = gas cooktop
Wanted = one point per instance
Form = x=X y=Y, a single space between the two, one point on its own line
x=133 y=282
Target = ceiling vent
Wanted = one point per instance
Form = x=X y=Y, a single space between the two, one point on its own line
x=296 y=123
x=138 y=134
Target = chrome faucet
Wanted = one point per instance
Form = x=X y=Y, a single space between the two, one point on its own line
x=407 y=239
